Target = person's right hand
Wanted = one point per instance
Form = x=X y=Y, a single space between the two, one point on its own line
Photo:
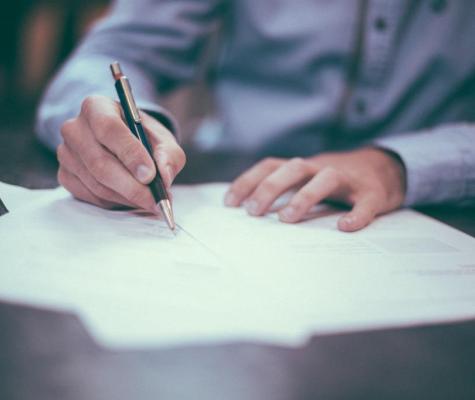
x=102 y=163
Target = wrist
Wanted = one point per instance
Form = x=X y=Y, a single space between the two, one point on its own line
x=392 y=170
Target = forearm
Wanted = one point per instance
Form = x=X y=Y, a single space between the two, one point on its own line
x=151 y=39
x=83 y=77
x=439 y=163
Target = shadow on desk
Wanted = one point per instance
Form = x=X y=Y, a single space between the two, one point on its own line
x=24 y=161
x=48 y=355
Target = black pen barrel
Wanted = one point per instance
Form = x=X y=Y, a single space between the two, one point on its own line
x=156 y=186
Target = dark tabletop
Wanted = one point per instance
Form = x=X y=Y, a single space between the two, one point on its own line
x=50 y=355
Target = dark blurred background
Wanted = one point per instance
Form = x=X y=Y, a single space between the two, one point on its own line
x=36 y=37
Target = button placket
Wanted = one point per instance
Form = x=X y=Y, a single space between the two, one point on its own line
x=381 y=21
x=381 y=27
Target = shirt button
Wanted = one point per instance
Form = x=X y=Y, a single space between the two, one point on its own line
x=360 y=106
x=438 y=5
x=380 y=24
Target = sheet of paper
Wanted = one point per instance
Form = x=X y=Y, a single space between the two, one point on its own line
x=226 y=276
x=15 y=197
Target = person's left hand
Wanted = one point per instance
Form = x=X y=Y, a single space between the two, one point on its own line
x=370 y=180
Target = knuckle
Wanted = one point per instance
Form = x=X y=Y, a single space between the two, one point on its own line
x=297 y=164
x=181 y=158
x=61 y=154
x=88 y=104
x=68 y=128
x=63 y=178
x=266 y=161
x=269 y=162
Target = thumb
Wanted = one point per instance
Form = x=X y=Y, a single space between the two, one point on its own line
x=168 y=154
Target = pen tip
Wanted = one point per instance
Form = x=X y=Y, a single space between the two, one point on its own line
x=167 y=212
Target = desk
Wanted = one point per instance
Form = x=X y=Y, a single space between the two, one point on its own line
x=49 y=355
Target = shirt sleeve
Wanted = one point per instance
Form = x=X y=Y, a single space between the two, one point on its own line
x=157 y=42
x=440 y=163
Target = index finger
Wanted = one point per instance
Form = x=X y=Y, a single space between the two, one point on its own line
x=169 y=156
x=247 y=182
x=108 y=170
x=103 y=116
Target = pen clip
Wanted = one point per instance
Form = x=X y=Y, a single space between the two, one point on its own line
x=129 y=98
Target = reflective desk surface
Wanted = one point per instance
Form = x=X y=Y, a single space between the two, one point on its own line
x=50 y=355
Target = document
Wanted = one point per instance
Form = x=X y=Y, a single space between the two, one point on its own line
x=226 y=276
x=16 y=197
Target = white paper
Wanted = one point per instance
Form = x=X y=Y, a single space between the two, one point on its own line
x=229 y=276
x=15 y=197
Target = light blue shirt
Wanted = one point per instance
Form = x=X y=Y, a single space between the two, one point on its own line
x=300 y=77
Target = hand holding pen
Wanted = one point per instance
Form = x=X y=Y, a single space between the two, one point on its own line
x=102 y=163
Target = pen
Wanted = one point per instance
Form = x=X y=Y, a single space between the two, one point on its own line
x=134 y=122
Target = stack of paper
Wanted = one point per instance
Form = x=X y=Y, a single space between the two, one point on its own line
x=227 y=276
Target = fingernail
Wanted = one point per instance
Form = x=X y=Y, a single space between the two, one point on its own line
x=143 y=173
x=230 y=199
x=288 y=213
x=348 y=221
x=252 y=207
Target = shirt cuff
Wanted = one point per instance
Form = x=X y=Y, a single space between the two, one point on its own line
x=435 y=165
